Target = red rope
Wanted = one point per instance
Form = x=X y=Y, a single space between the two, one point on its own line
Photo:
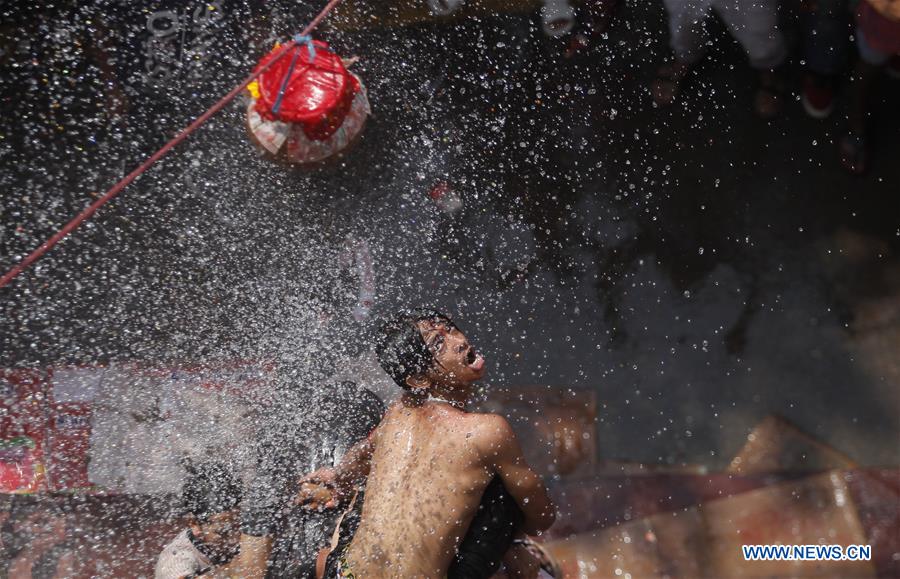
x=117 y=188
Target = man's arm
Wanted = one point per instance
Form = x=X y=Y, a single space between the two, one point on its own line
x=342 y=479
x=525 y=486
x=252 y=561
x=354 y=467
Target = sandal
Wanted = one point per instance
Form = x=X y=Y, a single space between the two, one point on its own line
x=667 y=84
x=854 y=153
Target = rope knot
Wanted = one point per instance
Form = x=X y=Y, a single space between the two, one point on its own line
x=308 y=41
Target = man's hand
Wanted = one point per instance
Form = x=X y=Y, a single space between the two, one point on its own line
x=328 y=488
x=316 y=496
x=318 y=490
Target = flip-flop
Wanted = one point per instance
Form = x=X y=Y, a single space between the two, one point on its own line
x=854 y=153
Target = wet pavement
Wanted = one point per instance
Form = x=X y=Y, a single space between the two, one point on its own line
x=696 y=267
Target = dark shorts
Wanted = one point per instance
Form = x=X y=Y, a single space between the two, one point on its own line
x=489 y=536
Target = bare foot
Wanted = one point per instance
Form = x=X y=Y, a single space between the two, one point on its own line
x=769 y=96
x=667 y=84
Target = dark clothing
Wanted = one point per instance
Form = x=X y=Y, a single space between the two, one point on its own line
x=825 y=27
x=489 y=536
x=308 y=430
x=351 y=414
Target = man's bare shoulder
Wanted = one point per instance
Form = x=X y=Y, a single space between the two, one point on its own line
x=492 y=432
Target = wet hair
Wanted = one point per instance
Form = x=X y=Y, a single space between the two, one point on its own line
x=210 y=489
x=401 y=348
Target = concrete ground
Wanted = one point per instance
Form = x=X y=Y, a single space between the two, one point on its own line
x=697 y=267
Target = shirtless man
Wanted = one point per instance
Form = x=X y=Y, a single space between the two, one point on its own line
x=430 y=460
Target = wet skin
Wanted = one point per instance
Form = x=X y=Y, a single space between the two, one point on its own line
x=428 y=464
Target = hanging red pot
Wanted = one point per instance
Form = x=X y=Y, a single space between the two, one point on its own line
x=307 y=106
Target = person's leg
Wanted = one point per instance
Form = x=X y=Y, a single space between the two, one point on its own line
x=687 y=28
x=754 y=24
x=687 y=37
x=824 y=48
x=854 y=154
x=863 y=75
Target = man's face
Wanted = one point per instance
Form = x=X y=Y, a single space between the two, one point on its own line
x=455 y=360
x=221 y=533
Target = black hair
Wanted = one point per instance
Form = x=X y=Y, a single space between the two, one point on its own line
x=401 y=348
x=210 y=488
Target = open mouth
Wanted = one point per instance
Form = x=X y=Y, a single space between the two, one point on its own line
x=474 y=360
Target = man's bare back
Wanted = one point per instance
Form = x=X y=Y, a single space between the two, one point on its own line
x=428 y=473
x=429 y=460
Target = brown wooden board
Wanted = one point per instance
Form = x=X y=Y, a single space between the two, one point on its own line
x=817 y=510
x=663 y=545
x=777 y=445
